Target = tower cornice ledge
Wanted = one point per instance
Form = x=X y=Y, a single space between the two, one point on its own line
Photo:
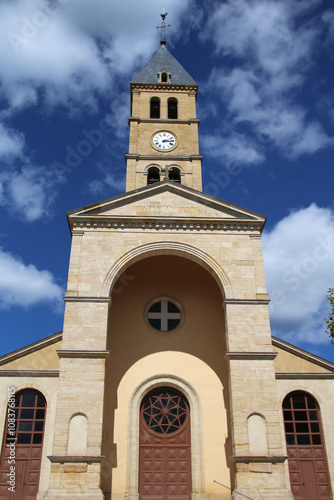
x=168 y=121
x=163 y=87
x=136 y=156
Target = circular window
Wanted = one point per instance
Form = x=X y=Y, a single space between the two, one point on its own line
x=164 y=411
x=163 y=315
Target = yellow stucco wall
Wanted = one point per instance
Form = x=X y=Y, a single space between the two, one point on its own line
x=194 y=352
x=292 y=363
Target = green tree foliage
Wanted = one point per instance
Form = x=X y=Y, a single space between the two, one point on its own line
x=330 y=319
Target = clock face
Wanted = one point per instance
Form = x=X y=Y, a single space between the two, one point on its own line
x=164 y=141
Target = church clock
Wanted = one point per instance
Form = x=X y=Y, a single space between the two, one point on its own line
x=164 y=141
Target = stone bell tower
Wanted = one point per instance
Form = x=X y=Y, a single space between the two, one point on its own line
x=163 y=125
x=164 y=251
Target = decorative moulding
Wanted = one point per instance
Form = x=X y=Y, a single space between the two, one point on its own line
x=82 y=354
x=62 y=459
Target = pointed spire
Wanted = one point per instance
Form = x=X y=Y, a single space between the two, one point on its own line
x=163 y=27
x=163 y=59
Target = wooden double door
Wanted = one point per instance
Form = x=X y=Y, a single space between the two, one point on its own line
x=22 y=446
x=165 y=449
x=307 y=460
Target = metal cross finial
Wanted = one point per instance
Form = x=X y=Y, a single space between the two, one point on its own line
x=163 y=26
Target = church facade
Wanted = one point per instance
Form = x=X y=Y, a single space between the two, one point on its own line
x=165 y=383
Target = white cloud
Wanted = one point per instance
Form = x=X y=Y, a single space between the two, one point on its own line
x=274 y=52
x=299 y=264
x=30 y=192
x=67 y=53
x=312 y=139
x=328 y=18
x=24 y=285
x=231 y=148
x=108 y=185
x=11 y=143
x=69 y=50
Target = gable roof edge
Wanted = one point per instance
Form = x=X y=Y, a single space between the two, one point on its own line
x=28 y=349
x=297 y=351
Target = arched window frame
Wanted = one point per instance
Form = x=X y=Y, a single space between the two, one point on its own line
x=153 y=174
x=38 y=416
x=196 y=432
x=174 y=174
x=155 y=107
x=297 y=437
x=306 y=446
x=172 y=105
x=164 y=76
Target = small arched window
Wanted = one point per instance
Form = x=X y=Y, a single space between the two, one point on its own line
x=155 y=107
x=172 y=108
x=305 y=446
x=153 y=175
x=164 y=76
x=174 y=174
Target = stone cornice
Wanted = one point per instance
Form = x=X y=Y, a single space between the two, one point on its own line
x=309 y=375
x=29 y=373
x=74 y=298
x=162 y=156
x=82 y=354
x=163 y=120
x=246 y=459
x=247 y=301
x=62 y=459
x=163 y=87
x=251 y=355
x=108 y=222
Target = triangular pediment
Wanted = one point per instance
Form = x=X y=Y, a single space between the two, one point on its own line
x=169 y=200
x=292 y=361
x=41 y=356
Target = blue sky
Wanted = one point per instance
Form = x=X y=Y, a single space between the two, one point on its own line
x=266 y=105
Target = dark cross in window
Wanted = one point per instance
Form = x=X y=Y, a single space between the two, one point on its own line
x=164 y=316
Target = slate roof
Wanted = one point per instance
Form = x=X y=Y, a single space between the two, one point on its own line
x=163 y=59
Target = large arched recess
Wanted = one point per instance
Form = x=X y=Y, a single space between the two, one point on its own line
x=194 y=352
x=168 y=248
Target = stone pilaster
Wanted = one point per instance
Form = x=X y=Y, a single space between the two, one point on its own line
x=261 y=473
x=80 y=392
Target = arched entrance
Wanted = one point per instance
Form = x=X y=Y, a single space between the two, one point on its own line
x=164 y=450
x=22 y=446
x=307 y=460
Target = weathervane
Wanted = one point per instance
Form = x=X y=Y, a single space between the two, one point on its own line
x=163 y=26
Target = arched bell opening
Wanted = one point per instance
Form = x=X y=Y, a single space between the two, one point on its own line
x=153 y=175
x=174 y=174
x=172 y=108
x=155 y=107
